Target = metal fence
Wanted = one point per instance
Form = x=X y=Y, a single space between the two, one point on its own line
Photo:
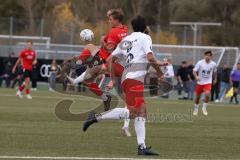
x=68 y=32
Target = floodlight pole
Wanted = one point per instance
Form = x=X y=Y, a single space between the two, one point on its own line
x=194 y=27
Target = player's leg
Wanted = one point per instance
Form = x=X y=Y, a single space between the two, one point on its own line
x=198 y=92
x=27 y=90
x=23 y=85
x=125 y=127
x=90 y=73
x=93 y=86
x=207 y=91
x=134 y=98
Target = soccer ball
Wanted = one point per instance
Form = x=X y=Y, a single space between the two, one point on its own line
x=86 y=35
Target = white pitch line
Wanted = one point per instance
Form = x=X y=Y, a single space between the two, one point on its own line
x=69 y=158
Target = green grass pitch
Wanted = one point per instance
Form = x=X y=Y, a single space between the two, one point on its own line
x=31 y=128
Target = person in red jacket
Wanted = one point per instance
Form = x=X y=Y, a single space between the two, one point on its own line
x=27 y=58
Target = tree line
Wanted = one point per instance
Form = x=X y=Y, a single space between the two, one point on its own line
x=65 y=17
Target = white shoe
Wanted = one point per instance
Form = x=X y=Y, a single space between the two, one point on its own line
x=195 y=112
x=205 y=113
x=19 y=94
x=217 y=101
x=126 y=131
x=29 y=96
x=33 y=89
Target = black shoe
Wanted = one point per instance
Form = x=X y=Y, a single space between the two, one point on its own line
x=107 y=103
x=146 y=151
x=90 y=120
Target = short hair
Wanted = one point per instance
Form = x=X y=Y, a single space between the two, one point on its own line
x=139 y=24
x=116 y=14
x=184 y=62
x=208 y=52
x=29 y=41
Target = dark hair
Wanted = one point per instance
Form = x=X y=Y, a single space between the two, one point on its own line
x=208 y=52
x=139 y=24
x=117 y=14
x=184 y=62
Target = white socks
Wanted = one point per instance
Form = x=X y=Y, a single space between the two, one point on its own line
x=84 y=76
x=196 y=106
x=204 y=105
x=116 y=113
x=126 y=120
x=139 y=123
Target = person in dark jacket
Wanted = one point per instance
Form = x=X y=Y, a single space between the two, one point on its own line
x=235 y=80
x=225 y=82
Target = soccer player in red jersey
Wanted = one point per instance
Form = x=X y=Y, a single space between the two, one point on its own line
x=110 y=41
x=27 y=58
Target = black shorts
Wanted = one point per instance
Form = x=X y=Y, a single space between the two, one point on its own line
x=235 y=84
x=27 y=73
x=95 y=61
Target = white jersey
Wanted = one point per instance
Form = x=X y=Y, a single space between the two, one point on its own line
x=170 y=72
x=134 y=49
x=205 y=71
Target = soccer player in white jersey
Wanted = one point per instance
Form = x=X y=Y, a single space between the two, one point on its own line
x=203 y=72
x=137 y=51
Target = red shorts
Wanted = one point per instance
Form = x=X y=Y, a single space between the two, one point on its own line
x=118 y=69
x=203 y=88
x=133 y=90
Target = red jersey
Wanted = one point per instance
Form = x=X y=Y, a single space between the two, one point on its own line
x=114 y=36
x=27 y=58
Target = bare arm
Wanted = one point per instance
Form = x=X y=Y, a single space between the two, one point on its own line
x=16 y=64
x=215 y=79
x=154 y=63
x=110 y=60
x=195 y=75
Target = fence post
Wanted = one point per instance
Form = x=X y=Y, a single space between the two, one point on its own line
x=10 y=33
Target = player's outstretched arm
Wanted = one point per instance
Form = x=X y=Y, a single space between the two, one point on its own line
x=15 y=66
x=154 y=63
x=110 y=60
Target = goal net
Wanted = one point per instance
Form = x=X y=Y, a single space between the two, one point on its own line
x=179 y=53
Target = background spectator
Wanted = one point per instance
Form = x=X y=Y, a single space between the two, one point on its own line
x=192 y=82
x=225 y=82
x=169 y=74
x=183 y=79
x=216 y=86
x=7 y=71
x=18 y=76
x=34 y=77
x=53 y=74
x=235 y=78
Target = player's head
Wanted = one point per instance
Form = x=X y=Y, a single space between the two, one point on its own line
x=139 y=24
x=115 y=17
x=238 y=66
x=184 y=63
x=225 y=65
x=208 y=55
x=29 y=44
